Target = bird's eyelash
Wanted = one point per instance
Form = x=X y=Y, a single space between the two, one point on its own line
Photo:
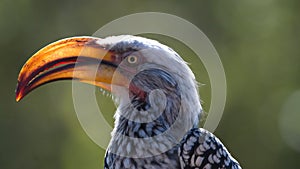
x=105 y=93
x=121 y=57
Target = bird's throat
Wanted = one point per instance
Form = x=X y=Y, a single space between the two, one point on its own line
x=155 y=109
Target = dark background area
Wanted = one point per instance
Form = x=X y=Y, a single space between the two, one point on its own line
x=258 y=43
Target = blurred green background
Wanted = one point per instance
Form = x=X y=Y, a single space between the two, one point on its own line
x=257 y=40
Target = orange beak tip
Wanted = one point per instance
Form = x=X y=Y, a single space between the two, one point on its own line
x=18 y=96
x=19 y=92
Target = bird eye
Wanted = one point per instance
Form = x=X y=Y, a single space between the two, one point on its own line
x=132 y=59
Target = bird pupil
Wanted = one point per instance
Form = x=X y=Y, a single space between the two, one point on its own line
x=132 y=59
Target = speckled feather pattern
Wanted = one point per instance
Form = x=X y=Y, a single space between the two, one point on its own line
x=201 y=149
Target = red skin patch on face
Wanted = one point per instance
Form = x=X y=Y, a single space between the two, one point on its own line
x=136 y=91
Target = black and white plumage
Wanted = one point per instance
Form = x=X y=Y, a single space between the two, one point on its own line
x=169 y=73
x=201 y=149
x=159 y=107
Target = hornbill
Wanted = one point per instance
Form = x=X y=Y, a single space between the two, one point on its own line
x=156 y=122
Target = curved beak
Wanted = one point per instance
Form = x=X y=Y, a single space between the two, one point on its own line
x=80 y=58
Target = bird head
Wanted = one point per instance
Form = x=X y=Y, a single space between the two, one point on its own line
x=145 y=75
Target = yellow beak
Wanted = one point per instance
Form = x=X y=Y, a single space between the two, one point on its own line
x=80 y=58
